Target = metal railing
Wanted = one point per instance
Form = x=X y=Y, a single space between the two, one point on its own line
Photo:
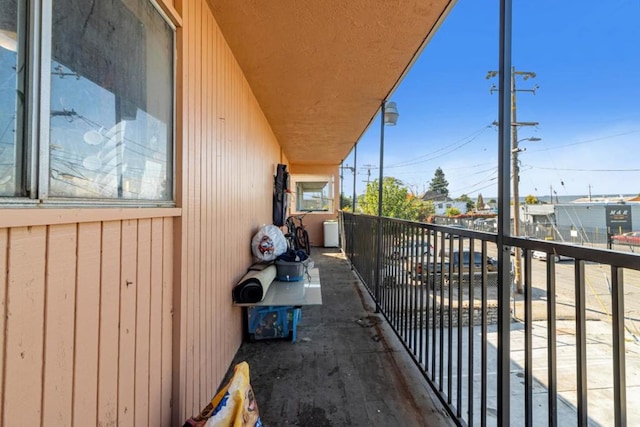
x=446 y=308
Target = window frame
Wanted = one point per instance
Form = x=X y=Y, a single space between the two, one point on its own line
x=34 y=118
x=302 y=178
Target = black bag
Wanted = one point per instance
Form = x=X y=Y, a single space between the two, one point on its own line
x=280 y=199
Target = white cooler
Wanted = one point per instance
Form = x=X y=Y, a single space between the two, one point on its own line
x=331 y=235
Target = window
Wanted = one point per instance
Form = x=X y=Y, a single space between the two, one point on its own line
x=313 y=193
x=105 y=106
x=11 y=96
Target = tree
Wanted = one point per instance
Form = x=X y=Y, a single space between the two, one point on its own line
x=452 y=211
x=425 y=210
x=346 y=203
x=480 y=202
x=439 y=184
x=396 y=200
x=531 y=200
x=467 y=200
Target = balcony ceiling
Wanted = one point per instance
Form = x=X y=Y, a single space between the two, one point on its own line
x=320 y=68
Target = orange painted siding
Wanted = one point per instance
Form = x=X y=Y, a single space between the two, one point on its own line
x=87 y=322
x=25 y=310
x=124 y=316
x=75 y=334
x=4 y=240
x=228 y=155
x=59 y=324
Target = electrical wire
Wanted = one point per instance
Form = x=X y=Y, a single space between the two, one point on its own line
x=425 y=157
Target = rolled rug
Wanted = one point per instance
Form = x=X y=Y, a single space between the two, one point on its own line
x=254 y=285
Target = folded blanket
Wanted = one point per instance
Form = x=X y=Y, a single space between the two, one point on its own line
x=254 y=285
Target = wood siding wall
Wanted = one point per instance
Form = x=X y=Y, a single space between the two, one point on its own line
x=108 y=317
x=86 y=323
x=227 y=161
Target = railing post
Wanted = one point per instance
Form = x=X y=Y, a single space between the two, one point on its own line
x=504 y=174
x=619 y=370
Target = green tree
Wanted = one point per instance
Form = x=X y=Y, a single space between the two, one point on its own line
x=480 y=202
x=531 y=200
x=452 y=211
x=439 y=184
x=396 y=200
x=467 y=200
x=346 y=203
x=425 y=210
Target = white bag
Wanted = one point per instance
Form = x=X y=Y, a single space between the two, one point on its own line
x=268 y=243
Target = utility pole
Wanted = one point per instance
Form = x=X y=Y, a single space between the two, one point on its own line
x=514 y=160
x=342 y=168
x=341 y=184
x=368 y=168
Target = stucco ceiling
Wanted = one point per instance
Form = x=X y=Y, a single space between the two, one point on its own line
x=320 y=68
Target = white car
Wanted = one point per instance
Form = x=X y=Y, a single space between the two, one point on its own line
x=542 y=256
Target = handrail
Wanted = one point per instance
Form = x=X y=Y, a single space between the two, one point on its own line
x=437 y=307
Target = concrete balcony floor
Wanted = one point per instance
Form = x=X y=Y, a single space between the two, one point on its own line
x=347 y=368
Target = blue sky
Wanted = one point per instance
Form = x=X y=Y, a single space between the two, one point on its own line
x=586 y=56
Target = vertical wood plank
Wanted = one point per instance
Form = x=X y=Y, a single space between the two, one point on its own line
x=87 y=325
x=188 y=212
x=167 y=316
x=127 y=336
x=155 y=326
x=59 y=321
x=196 y=284
x=4 y=253
x=202 y=188
x=143 y=309
x=219 y=190
x=182 y=157
x=24 y=326
x=109 y=318
x=208 y=277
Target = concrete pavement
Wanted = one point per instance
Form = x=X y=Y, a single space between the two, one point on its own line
x=347 y=367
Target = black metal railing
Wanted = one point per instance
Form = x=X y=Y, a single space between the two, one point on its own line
x=445 y=307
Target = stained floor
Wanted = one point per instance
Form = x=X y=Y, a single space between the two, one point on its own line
x=346 y=368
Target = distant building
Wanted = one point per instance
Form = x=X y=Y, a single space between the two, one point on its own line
x=434 y=196
x=583 y=220
x=442 y=202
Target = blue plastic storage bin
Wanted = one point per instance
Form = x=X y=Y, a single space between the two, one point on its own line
x=272 y=322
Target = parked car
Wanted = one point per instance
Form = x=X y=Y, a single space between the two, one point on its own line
x=542 y=256
x=492 y=263
x=414 y=249
x=630 y=238
x=435 y=265
x=455 y=236
x=485 y=224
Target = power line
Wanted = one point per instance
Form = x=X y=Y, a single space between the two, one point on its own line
x=587 y=141
x=584 y=170
x=415 y=160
